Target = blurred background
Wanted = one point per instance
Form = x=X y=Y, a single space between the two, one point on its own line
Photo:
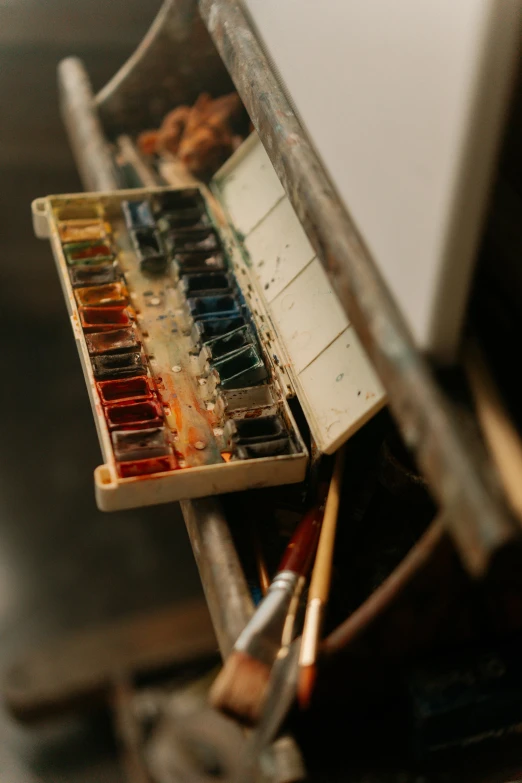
x=64 y=566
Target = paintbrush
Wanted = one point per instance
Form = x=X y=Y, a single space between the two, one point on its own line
x=319 y=586
x=498 y=429
x=239 y=690
x=281 y=692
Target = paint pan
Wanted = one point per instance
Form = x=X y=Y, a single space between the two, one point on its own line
x=184 y=219
x=88 y=253
x=145 y=467
x=117 y=365
x=242 y=368
x=188 y=263
x=132 y=445
x=204 y=331
x=176 y=200
x=271 y=448
x=220 y=347
x=191 y=241
x=134 y=415
x=85 y=230
x=138 y=388
x=77 y=211
x=149 y=250
x=103 y=319
x=254 y=438
x=255 y=430
x=138 y=214
x=209 y=284
x=115 y=341
x=252 y=398
x=208 y=307
x=248 y=403
x=111 y=295
x=103 y=274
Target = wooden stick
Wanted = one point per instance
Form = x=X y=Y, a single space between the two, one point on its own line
x=262 y=572
x=321 y=576
x=501 y=436
x=320 y=585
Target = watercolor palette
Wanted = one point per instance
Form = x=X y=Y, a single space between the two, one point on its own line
x=176 y=346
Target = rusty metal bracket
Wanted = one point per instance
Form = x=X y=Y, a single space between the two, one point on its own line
x=174 y=63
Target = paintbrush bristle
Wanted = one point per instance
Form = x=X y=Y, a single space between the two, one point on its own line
x=240 y=688
x=305 y=685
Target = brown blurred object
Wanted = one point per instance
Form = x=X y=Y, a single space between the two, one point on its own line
x=202 y=136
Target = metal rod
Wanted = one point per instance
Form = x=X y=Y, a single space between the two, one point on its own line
x=221 y=573
x=455 y=465
x=89 y=147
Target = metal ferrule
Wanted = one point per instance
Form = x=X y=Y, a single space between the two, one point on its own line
x=262 y=636
x=289 y=626
x=311 y=632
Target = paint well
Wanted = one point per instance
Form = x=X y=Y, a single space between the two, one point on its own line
x=184 y=219
x=210 y=306
x=144 y=414
x=118 y=365
x=242 y=368
x=83 y=230
x=145 y=467
x=102 y=296
x=131 y=445
x=88 y=252
x=188 y=198
x=130 y=388
x=215 y=327
x=197 y=284
x=82 y=276
x=78 y=211
x=94 y=319
x=189 y=241
x=220 y=347
x=115 y=341
x=138 y=214
x=149 y=250
x=186 y=263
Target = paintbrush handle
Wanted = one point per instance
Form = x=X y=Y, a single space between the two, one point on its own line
x=500 y=434
x=300 y=551
x=322 y=573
